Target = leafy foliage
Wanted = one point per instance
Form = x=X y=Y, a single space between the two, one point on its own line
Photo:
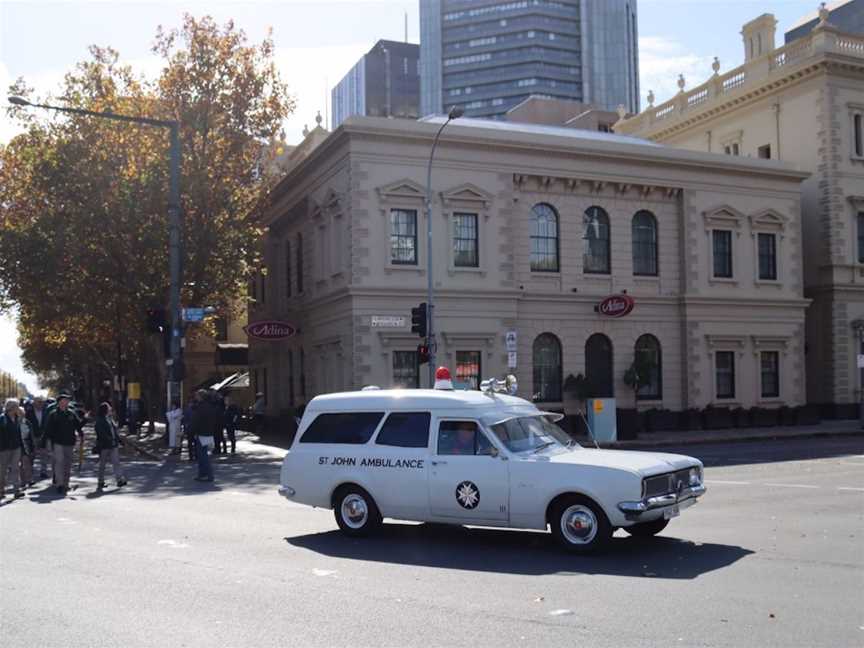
x=83 y=200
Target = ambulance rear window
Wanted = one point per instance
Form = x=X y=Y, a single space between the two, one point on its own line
x=353 y=428
x=405 y=430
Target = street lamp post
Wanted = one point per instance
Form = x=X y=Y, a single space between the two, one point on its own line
x=455 y=113
x=174 y=242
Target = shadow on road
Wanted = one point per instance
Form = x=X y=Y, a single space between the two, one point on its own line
x=521 y=552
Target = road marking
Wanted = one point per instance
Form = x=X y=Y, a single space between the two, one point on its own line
x=792 y=486
x=851 y=488
x=173 y=544
x=324 y=572
x=733 y=483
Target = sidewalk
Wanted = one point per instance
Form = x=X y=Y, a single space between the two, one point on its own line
x=660 y=439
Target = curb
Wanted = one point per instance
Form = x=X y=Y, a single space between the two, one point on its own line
x=639 y=444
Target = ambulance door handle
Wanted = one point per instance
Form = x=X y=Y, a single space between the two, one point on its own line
x=439 y=463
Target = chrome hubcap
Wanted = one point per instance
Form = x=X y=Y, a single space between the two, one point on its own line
x=578 y=524
x=354 y=511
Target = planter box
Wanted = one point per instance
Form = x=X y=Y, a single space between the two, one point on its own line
x=717 y=418
x=689 y=420
x=763 y=417
x=741 y=418
x=846 y=411
x=661 y=420
x=628 y=424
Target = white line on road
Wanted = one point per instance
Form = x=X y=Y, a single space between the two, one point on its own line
x=850 y=488
x=792 y=486
x=720 y=481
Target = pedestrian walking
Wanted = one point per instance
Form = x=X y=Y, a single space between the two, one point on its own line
x=258 y=410
x=108 y=442
x=188 y=416
x=28 y=450
x=205 y=421
x=232 y=418
x=10 y=447
x=37 y=416
x=62 y=429
x=174 y=416
x=217 y=400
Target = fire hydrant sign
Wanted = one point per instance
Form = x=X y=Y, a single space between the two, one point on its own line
x=510 y=341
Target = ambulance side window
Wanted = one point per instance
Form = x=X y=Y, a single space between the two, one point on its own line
x=405 y=430
x=462 y=438
x=354 y=428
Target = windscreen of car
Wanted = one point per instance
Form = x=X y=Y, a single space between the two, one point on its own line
x=530 y=433
x=354 y=428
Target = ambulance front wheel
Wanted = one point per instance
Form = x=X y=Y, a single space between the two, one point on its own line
x=355 y=511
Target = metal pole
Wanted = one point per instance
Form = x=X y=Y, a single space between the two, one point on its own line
x=175 y=261
x=430 y=295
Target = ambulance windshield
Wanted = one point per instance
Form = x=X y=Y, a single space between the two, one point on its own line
x=531 y=434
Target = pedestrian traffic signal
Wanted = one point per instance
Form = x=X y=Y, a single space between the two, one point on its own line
x=422 y=354
x=418 y=320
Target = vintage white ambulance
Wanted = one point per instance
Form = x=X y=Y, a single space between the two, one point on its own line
x=476 y=457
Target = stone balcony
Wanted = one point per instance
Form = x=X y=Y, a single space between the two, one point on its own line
x=774 y=69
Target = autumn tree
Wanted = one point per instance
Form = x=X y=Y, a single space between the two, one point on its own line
x=83 y=201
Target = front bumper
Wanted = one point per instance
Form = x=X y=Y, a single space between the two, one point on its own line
x=633 y=510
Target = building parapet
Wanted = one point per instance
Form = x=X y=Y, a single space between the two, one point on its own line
x=733 y=87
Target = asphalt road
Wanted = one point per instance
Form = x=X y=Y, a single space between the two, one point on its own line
x=773 y=555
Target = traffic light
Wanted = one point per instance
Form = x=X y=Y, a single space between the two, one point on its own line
x=418 y=320
x=422 y=354
x=156 y=320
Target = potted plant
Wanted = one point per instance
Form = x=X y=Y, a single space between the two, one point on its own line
x=635 y=378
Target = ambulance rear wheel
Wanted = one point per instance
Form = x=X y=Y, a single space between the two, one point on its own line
x=355 y=511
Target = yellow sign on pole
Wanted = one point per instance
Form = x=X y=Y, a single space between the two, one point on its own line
x=133 y=391
x=598 y=405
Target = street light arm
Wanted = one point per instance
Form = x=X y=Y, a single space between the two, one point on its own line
x=19 y=101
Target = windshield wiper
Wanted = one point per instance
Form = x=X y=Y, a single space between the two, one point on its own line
x=545 y=445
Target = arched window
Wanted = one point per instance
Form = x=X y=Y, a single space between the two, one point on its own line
x=544 y=238
x=645 y=244
x=599 y=366
x=547 y=368
x=649 y=364
x=595 y=238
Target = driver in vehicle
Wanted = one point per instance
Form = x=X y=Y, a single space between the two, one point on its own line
x=464 y=441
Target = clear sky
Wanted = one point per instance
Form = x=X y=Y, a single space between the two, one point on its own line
x=318 y=41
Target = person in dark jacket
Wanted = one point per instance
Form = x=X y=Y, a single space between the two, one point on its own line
x=232 y=418
x=10 y=447
x=188 y=416
x=37 y=416
x=108 y=442
x=206 y=419
x=63 y=426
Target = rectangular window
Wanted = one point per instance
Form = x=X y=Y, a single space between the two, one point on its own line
x=352 y=428
x=770 y=367
x=288 y=268
x=405 y=430
x=264 y=384
x=406 y=370
x=468 y=369
x=724 y=368
x=221 y=325
x=767 y=257
x=860 y=237
x=302 y=388
x=764 y=152
x=722 y=240
x=299 y=263
x=403 y=236
x=858 y=134
x=263 y=278
x=462 y=438
x=465 y=247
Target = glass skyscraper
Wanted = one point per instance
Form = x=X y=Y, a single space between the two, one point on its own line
x=488 y=56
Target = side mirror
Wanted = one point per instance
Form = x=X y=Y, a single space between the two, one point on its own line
x=493 y=451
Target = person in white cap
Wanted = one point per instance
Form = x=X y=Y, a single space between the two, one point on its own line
x=442 y=379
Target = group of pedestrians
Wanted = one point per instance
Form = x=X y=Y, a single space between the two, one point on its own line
x=208 y=424
x=36 y=435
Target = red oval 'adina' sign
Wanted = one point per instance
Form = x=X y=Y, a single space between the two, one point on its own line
x=270 y=330
x=616 y=306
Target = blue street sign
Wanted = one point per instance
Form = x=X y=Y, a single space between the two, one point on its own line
x=193 y=314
